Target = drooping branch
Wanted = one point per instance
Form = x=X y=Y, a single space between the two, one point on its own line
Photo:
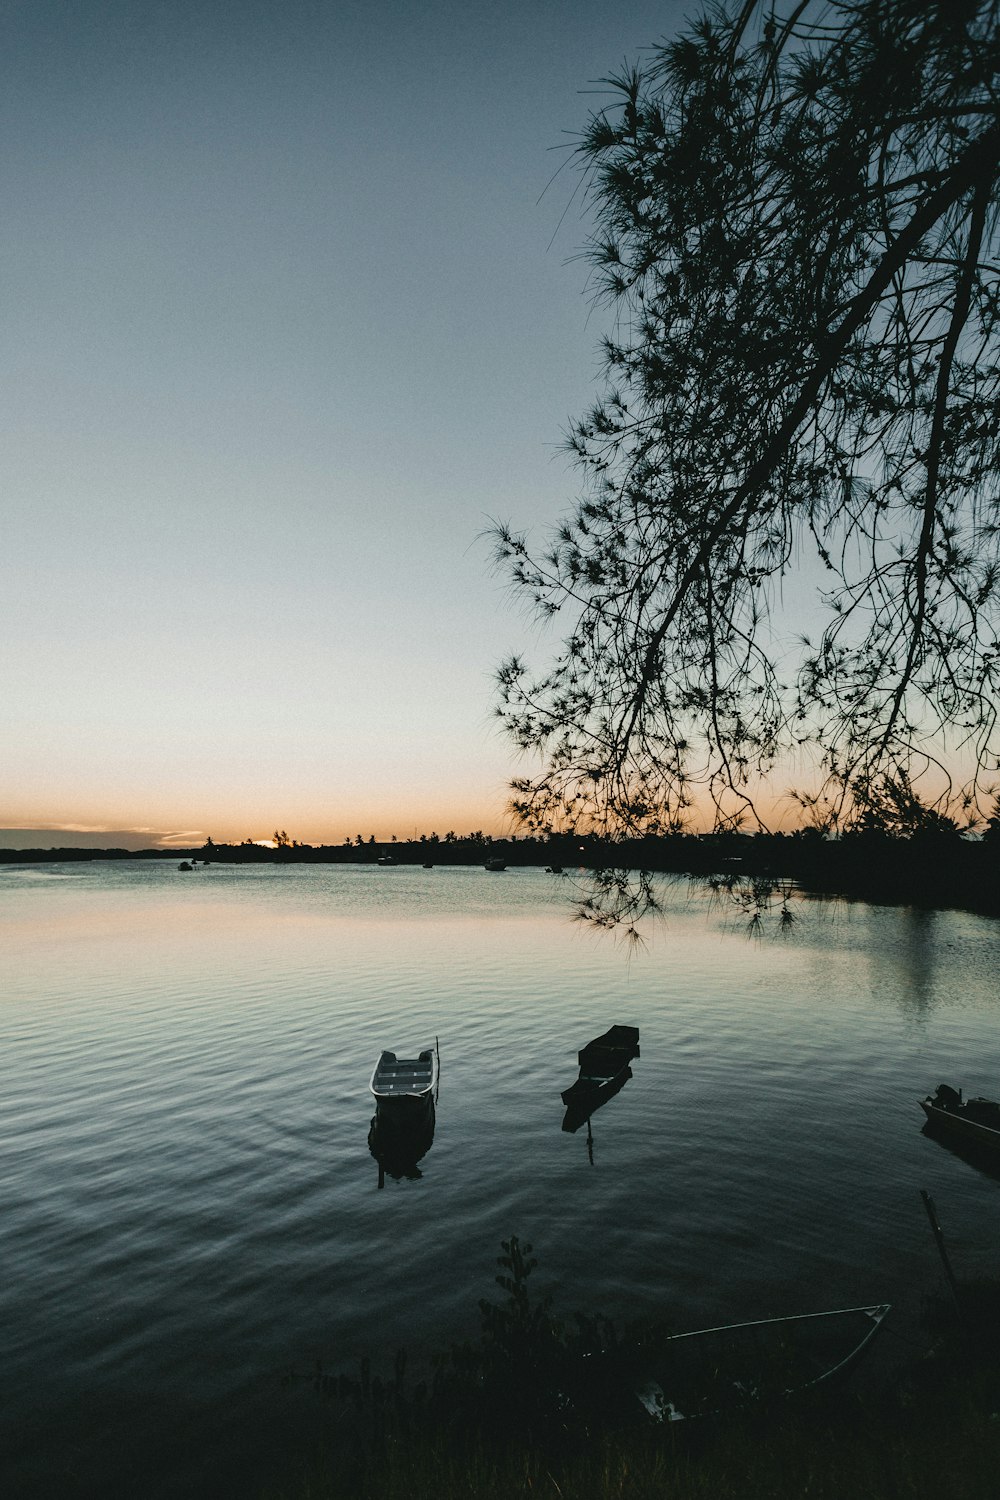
x=959 y=315
x=797 y=238
x=978 y=166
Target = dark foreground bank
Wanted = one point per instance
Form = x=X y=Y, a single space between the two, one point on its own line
x=503 y=1418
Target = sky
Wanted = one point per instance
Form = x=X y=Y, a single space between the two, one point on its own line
x=294 y=308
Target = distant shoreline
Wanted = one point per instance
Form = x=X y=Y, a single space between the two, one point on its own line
x=926 y=871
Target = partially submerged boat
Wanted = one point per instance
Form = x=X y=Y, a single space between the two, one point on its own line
x=604 y=1069
x=974 y=1121
x=713 y=1370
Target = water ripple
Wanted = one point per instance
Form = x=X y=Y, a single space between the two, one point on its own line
x=189 y=1206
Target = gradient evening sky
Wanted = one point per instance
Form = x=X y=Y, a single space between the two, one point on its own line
x=284 y=328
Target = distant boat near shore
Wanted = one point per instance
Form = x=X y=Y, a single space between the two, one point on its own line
x=495 y=864
x=976 y=1122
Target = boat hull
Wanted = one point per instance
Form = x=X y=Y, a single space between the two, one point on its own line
x=588 y=1094
x=959 y=1125
x=580 y=1106
x=604 y=1069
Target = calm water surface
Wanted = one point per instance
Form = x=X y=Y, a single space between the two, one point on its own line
x=188 y=1206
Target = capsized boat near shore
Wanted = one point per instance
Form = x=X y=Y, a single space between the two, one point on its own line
x=713 y=1370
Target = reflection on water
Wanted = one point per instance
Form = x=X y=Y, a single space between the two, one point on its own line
x=399 y=1143
x=582 y=1113
x=919 y=957
x=186 y=1187
x=977 y=1157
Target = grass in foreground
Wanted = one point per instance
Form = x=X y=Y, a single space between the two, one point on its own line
x=489 y=1426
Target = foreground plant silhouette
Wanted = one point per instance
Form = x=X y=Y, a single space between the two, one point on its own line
x=502 y=1417
x=528 y=1374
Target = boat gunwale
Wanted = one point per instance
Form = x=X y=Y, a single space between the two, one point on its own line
x=960 y=1122
x=425 y=1091
x=871 y=1308
x=875 y=1311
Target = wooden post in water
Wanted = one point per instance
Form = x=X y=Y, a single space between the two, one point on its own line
x=939 y=1241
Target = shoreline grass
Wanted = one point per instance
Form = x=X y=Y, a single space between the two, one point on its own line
x=491 y=1424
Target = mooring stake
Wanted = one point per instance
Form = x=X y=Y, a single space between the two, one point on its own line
x=942 y=1251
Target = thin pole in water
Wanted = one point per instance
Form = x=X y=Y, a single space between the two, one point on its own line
x=942 y=1251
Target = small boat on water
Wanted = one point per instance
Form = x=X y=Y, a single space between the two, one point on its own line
x=604 y=1068
x=387 y=859
x=495 y=864
x=723 y=1369
x=404 y=1086
x=402 y=1127
x=974 y=1121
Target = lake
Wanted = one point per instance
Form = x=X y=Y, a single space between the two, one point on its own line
x=189 y=1209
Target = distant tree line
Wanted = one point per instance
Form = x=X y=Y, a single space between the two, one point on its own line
x=907 y=853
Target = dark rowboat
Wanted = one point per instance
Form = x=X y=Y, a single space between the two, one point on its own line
x=974 y=1121
x=722 y=1369
x=604 y=1068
